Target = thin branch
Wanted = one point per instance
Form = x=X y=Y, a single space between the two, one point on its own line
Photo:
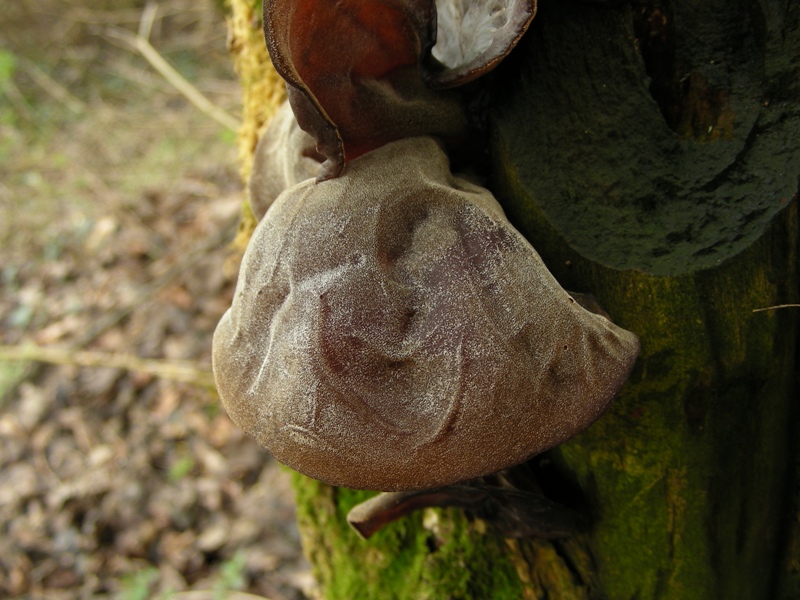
x=204 y=378
x=52 y=87
x=177 y=80
x=16 y=98
x=173 y=370
x=776 y=307
x=147 y=20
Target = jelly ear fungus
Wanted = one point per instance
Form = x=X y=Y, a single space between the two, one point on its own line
x=391 y=330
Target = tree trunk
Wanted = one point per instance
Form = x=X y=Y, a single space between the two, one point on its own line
x=651 y=154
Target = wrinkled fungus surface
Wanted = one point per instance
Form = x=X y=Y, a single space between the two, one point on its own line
x=392 y=331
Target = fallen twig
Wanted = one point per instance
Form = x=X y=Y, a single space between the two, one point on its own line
x=113 y=317
x=173 y=370
x=776 y=307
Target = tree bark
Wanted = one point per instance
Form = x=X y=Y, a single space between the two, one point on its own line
x=651 y=154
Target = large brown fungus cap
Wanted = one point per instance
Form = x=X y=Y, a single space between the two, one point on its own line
x=392 y=331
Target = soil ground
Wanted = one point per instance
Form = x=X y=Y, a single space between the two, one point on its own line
x=118 y=200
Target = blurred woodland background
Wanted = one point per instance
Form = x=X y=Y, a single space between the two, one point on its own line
x=118 y=201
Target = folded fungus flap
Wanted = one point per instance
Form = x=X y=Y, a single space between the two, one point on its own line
x=363 y=73
x=353 y=71
x=392 y=331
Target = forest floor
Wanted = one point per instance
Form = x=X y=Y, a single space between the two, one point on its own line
x=118 y=200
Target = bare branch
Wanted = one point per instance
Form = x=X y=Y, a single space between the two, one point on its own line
x=169 y=73
x=52 y=87
x=776 y=307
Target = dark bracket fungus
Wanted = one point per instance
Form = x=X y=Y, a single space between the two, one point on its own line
x=390 y=329
x=360 y=72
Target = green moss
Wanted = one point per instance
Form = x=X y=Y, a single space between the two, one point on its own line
x=438 y=554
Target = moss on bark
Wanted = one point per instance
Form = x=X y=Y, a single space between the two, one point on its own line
x=680 y=234
x=436 y=554
x=262 y=92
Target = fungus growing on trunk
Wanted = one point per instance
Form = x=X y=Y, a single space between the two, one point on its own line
x=391 y=330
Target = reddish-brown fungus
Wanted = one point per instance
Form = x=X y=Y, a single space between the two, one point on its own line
x=352 y=68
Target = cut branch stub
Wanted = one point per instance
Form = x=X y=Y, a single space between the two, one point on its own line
x=392 y=331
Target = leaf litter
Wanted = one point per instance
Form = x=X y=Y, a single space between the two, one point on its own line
x=114 y=232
